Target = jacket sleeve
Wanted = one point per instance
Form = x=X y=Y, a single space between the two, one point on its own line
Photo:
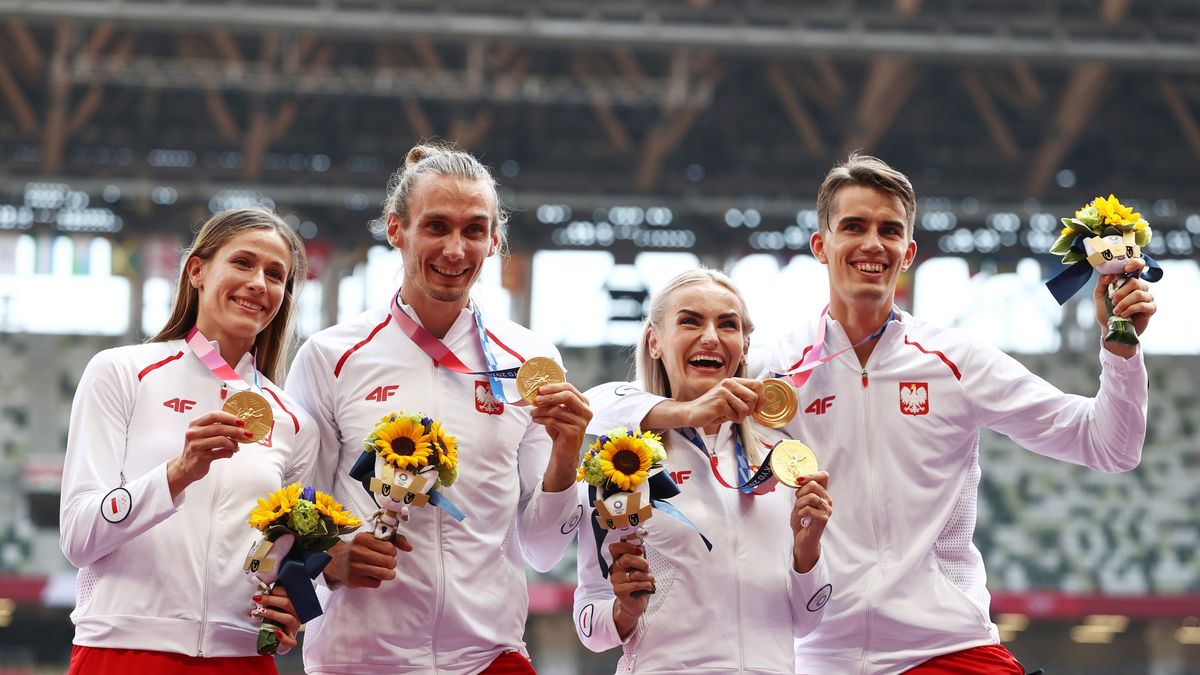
x=546 y=521
x=310 y=384
x=810 y=593
x=1104 y=433
x=594 y=598
x=92 y=483
x=618 y=404
x=305 y=454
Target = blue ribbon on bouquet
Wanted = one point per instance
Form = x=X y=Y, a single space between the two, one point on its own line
x=662 y=488
x=364 y=470
x=1068 y=282
x=296 y=573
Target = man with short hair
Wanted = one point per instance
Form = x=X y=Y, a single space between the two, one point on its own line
x=457 y=601
x=895 y=420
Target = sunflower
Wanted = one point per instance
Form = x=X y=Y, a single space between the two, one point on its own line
x=1113 y=212
x=625 y=461
x=331 y=509
x=277 y=505
x=445 y=445
x=403 y=442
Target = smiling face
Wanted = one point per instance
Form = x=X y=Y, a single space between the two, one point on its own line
x=448 y=236
x=701 y=339
x=241 y=286
x=866 y=247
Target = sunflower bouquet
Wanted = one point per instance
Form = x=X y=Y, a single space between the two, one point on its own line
x=405 y=458
x=298 y=524
x=1104 y=235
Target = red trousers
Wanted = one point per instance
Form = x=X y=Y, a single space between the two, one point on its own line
x=990 y=659
x=510 y=663
x=103 y=661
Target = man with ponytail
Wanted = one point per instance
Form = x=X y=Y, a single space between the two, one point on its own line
x=455 y=599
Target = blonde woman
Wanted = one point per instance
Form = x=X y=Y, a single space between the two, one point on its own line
x=737 y=607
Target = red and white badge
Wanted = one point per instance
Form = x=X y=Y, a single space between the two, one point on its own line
x=914 y=398
x=116 y=505
x=485 y=401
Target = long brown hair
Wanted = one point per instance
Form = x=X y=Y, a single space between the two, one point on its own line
x=271 y=345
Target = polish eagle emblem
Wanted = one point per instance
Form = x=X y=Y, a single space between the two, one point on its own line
x=914 y=398
x=485 y=402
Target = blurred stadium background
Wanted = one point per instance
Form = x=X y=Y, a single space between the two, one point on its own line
x=633 y=138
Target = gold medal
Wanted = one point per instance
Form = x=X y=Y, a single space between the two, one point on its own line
x=790 y=460
x=779 y=404
x=534 y=373
x=254 y=409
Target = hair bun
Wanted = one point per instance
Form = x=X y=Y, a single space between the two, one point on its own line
x=420 y=152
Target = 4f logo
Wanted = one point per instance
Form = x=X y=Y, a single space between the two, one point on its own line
x=680 y=476
x=382 y=394
x=820 y=406
x=914 y=398
x=179 y=405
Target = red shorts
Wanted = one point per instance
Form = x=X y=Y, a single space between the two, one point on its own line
x=104 y=661
x=510 y=663
x=990 y=659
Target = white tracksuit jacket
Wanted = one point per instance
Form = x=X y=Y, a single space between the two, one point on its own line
x=734 y=609
x=460 y=598
x=900 y=439
x=154 y=573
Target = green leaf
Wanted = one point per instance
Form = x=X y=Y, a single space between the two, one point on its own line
x=1063 y=245
x=1073 y=257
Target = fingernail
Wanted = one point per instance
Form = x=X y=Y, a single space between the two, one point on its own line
x=639 y=551
x=241 y=422
x=278 y=634
x=801 y=480
x=256 y=598
x=249 y=434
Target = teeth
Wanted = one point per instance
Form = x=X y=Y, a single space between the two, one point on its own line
x=706 y=362
x=447 y=272
x=870 y=267
x=247 y=304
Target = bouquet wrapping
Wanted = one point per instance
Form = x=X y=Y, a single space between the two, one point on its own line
x=298 y=524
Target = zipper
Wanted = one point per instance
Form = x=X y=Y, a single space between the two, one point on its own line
x=864 y=378
x=439 y=597
x=874 y=520
x=730 y=502
x=212 y=525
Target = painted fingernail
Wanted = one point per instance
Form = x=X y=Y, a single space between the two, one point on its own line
x=278 y=634
x=801 y=479
x=639 y=551
x=256 y=598
x=249 y=434
x=240 y=422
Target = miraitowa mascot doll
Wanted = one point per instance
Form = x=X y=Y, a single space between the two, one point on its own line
x=1103 y=235
x=627 y=484
x=405 y=459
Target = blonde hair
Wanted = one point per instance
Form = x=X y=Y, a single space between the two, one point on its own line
x=867 y=171
x=650 y=370
x=271 y=345
x=439 y=159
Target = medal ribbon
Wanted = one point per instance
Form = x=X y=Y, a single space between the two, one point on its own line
x=442 y=356
x=211 y=358
x=800 y=374
x=760 y=483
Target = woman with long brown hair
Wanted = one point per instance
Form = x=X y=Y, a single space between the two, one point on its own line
x=170 y=444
